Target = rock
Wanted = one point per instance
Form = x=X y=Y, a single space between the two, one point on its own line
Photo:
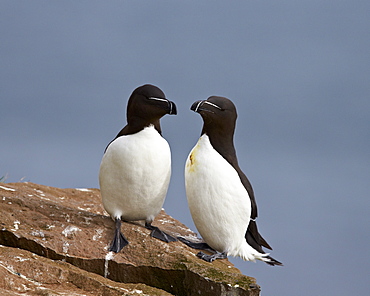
x=24 y=272
x=55 y=242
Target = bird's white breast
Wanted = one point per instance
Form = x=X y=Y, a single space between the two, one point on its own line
x=134 y=175
x=218 y=202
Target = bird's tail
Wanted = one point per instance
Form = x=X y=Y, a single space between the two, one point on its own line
x=256 y=241
x=271 y=261
x=247 y=253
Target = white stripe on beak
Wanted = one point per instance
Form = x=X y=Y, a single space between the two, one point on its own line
x=196 y=109
x=162 y=100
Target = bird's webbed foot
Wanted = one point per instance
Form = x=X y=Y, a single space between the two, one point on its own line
x=197 y=246
x=213 y=257
x=159 y=234
x=119 y=241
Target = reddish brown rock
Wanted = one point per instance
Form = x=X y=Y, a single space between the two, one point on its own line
x=70 y=232
x=26 y=273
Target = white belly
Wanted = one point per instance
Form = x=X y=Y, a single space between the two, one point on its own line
x=218 y=202
x=134 y=175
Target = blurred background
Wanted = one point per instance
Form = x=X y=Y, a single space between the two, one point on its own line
x=297 y=71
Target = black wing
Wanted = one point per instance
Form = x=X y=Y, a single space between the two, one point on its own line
x=252 y=235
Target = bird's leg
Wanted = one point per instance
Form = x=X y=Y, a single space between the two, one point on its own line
x=119 y=241
x=211 y=258
x=159 y=234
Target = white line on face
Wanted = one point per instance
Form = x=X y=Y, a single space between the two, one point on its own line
x=214 y=105
x=157 y=99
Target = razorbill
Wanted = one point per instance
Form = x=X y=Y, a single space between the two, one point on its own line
x=136 y=167
x=220 y=197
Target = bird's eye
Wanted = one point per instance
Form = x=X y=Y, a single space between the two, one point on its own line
x=214 y=105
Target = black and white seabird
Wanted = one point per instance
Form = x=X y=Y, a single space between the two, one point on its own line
x=220 y=197
x=136 y=167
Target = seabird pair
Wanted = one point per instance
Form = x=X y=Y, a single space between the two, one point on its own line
x=136 y=168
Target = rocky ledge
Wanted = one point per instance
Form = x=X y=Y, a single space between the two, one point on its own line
x=54 y=242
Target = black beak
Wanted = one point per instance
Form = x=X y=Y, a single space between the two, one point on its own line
x=196 y=105
x=172 y=108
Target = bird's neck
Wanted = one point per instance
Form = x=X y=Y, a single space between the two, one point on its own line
x=223 y=143
x=137 y=124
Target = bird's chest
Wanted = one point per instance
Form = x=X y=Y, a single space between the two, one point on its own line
x=143 y=152
x=210 y=178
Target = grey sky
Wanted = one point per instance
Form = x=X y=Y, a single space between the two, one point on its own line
x=298 y=72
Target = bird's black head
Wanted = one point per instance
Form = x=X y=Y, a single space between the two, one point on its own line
x=146 y=105
x=219 y=115
x=149 y=102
